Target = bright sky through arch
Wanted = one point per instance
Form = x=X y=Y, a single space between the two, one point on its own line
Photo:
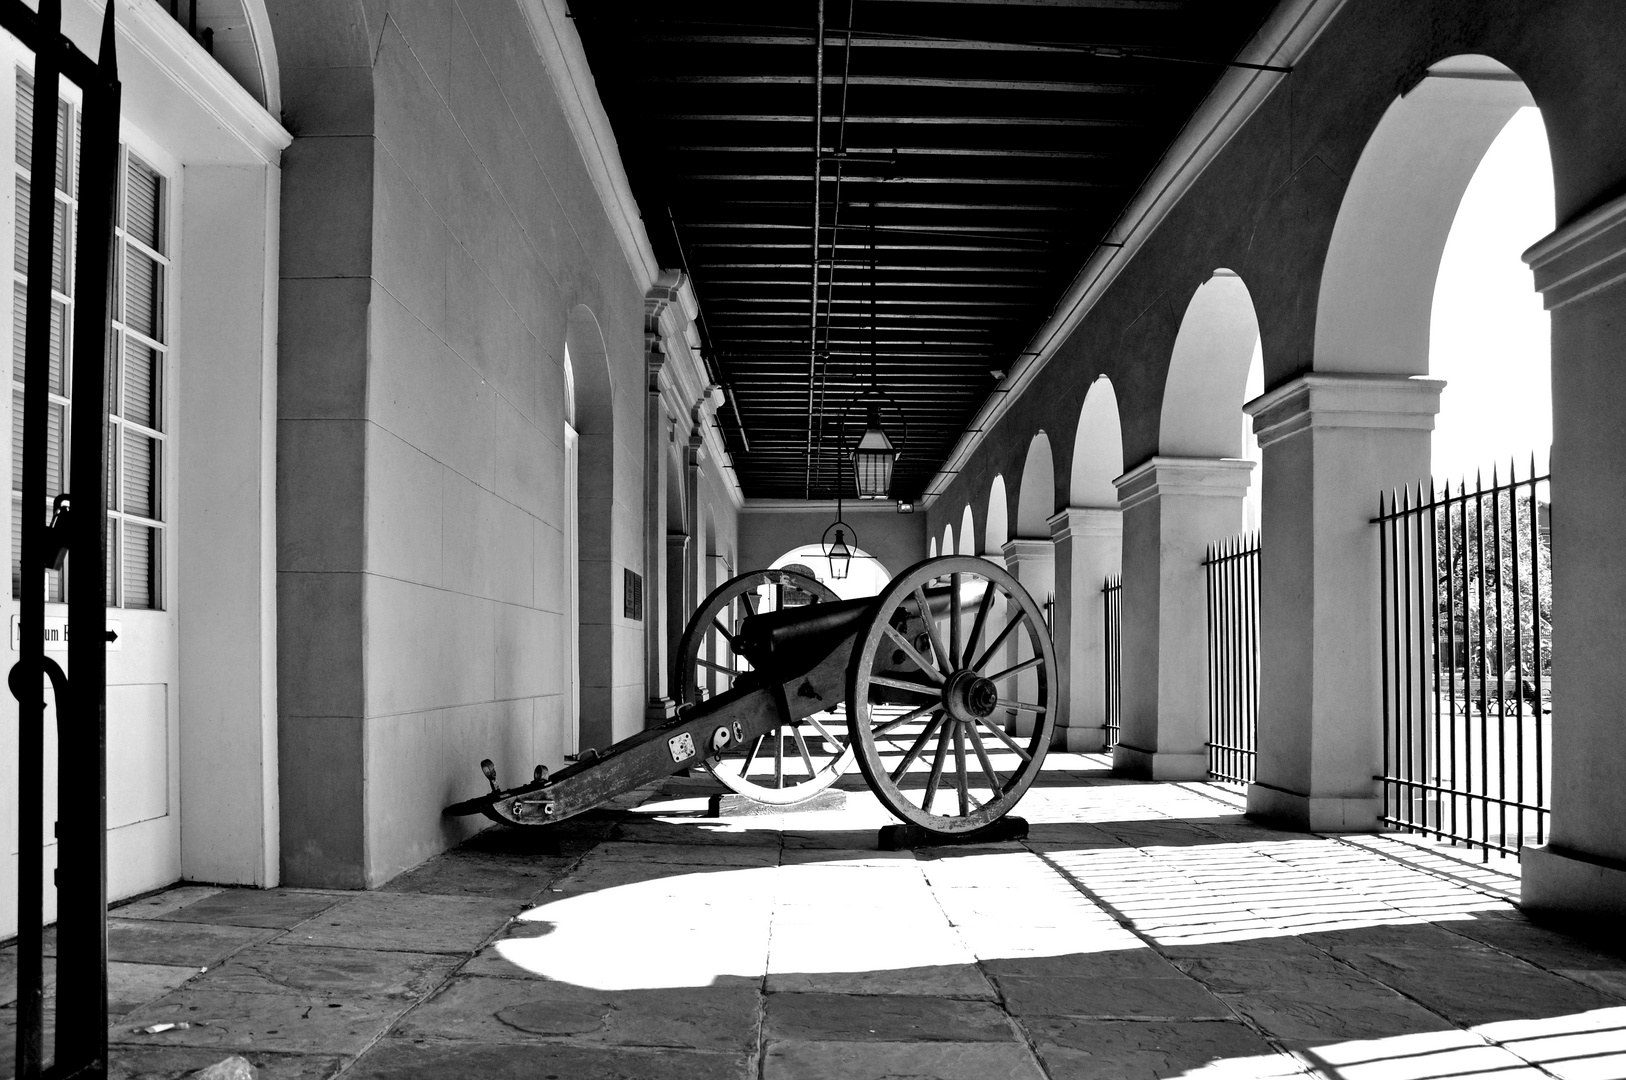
x=1489 y=336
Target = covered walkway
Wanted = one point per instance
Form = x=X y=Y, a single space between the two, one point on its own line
x=1142 y=930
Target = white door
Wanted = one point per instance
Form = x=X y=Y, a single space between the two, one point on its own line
x=143 y=750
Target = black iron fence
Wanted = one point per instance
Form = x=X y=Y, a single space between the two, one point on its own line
x=1466 y=601
x=77 y=533
x=1112 y=606
x=1233 y=658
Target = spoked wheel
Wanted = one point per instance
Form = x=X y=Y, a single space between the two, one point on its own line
x=955 y=659
x=793 y=762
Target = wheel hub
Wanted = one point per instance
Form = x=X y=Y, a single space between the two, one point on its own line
x=969 y=697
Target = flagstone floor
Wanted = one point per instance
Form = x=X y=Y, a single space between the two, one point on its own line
x=1142 y=930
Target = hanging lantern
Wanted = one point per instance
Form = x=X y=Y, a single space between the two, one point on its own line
x=873 y=459
x=839 y=553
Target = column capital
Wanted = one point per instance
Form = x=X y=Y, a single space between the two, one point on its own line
x=1584 y=257
x=1224 y=478
x=1082 y=521
x=1023 y=550
x=1345 y=400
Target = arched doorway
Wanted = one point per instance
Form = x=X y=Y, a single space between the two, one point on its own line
x=968 y=533
x=996 y=528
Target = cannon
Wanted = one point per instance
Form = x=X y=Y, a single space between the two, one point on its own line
x=947 y=682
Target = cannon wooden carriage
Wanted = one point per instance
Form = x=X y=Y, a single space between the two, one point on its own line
x=947 y=681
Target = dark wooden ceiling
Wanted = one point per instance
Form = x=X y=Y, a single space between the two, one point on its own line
x=974 y=155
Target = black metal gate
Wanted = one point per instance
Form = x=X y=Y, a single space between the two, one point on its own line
x=1112 y=607
x=1233 y=658
x=78 y=532
x=1466 y=652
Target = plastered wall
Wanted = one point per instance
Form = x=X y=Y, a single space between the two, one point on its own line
x=441 y=237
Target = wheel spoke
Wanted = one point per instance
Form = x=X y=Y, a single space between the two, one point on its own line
x=987 y=765
x=954 y=620
x=959 y=769
x=913 y=654
x=829 y=738
x=920 y=744
x=931 y=631
x=1020 y=706
x=801 y=748
x=752 y=756
x=903 y=684
x=937 y=768
x=1016 y=669
x=1004 y=738
x=728 y=636
x=982 y=617
x=703 y=662
x=993 y=647
x=915 y=714
x=778 y=757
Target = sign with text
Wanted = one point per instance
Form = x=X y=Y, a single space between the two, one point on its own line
x=56 y=633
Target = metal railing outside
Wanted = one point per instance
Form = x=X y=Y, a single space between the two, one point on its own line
x=1112 y=607
x=1466 y=602
x=1233 y=658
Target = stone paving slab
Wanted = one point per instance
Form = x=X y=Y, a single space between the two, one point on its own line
x=344 y=974
x=943 y=981
x=1329 y=1014
x=884 y=1018
x=513 y=1011
x=449 y=924
x=179 y=1062
x=1456 y=985
x=132 y=985
x=1132 y=1050
x=276 y=909
x=291 y=1022
x=400 y=1059
x=1137 y=961
x=162 y=903
x=1123 y=997
x=194 y=945
x=503 y=877
x=826 y=1060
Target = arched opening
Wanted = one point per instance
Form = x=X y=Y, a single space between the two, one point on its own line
x=1036 y=499
x=570 y=737
x=1208 y=372
x=1098 y=449
x=968 y=533
x=866 y=576
x=593 y=569
x=677 y=555
x=1490 y=338
x=948 y=540
x=996 y=527
x=931 y=548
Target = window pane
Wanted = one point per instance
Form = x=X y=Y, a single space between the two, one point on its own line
x=59 y=327
x=59 y=249
x=142 y=292
x=140 y=565
x=16 y=440
x=110 y=595
x=19 y=260
x=64 y=146
x=144 y=201
x=16 y=548
x=142 y=384
x=25 y=110
x=56 y=426
x=140 y=475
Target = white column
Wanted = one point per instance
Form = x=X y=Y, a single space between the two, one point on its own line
x=1089 y=548
x=1033 y=562
x=1331 y=442
x=1581 y=271
x=1173 y=508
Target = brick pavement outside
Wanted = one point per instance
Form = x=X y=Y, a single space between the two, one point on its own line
x=1142 y=930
